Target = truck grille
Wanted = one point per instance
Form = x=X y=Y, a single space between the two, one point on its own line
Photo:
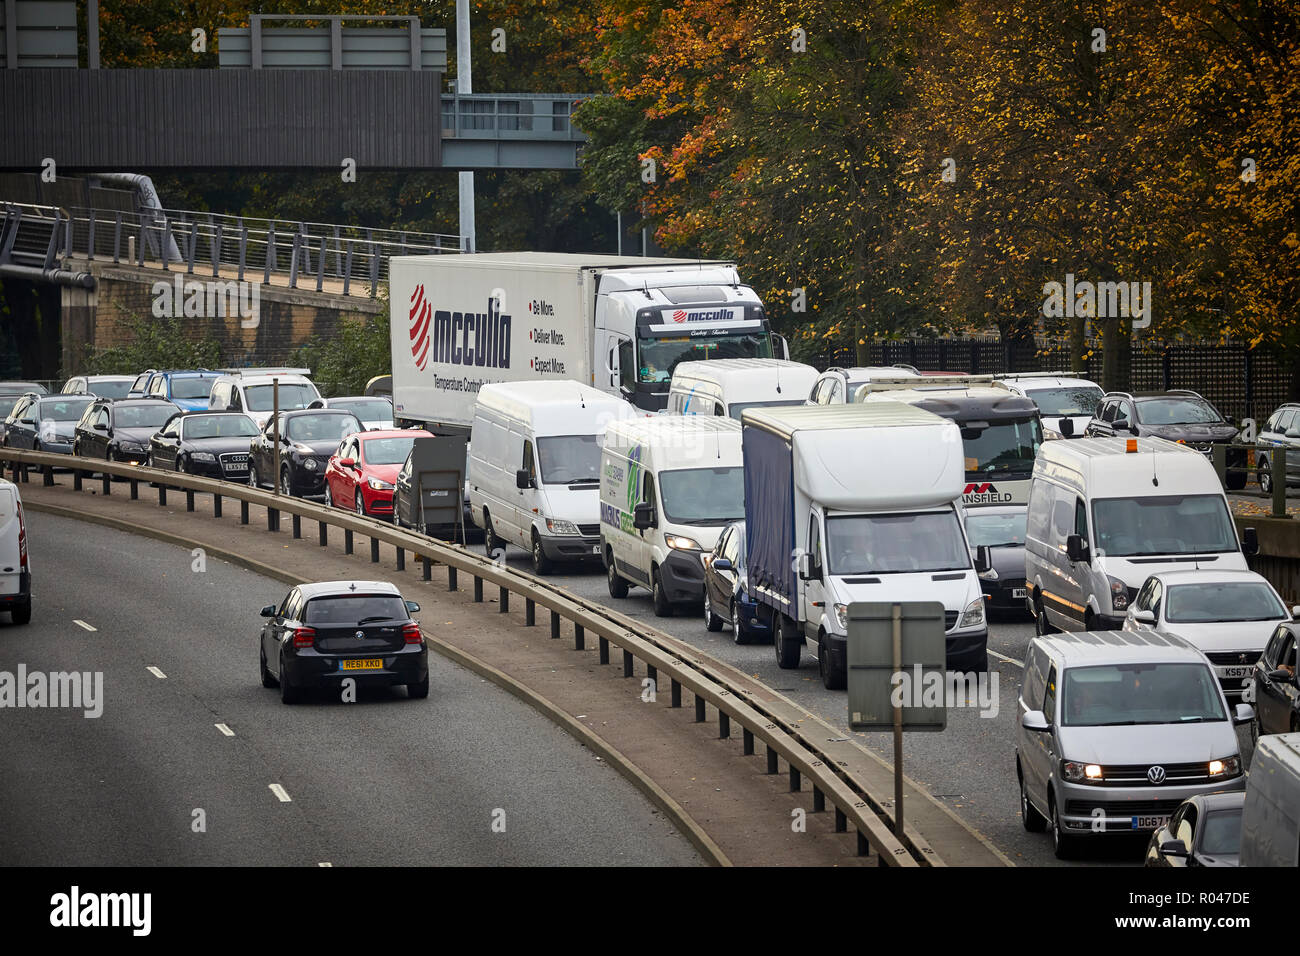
x=1176 y=775
x=1235 y=658
x=949 y=620
x=590 y=530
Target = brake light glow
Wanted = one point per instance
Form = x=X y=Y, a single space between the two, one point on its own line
x=412 y=633
x=304 y=636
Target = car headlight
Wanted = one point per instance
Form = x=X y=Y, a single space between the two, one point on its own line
x=131 y=446
x=990 y=575
x=560 y=526
x=842 y=615
x=47 y=432
x=1077 y=772
x=682 y=543
x=379 y=485
x=1118 y=594
x=203 y=456
x=1228 y=767
x=974 y=613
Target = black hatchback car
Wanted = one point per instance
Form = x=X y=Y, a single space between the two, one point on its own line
x=209 y=444
x=120 y=430
x=1277 y=695
x=308 y=437
x=1205 y=830
x=1179 y=415
x=324 y=633
x=728 y=598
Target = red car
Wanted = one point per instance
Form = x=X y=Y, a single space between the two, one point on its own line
x=361 y=473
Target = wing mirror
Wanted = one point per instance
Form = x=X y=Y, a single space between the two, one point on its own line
x=1173 y=848
x=643 y=516
x=347 y=463
x=412 y=607
x=983 y=559
x=722 y=564
x=1144 y=617
x=1120 y=425
x=1035 y=720
x=1249 y=542
x=1244 y=714
x=268 y=611
x=1076 y=549
x=523 y=479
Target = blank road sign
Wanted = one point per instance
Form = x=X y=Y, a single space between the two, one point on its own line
x=872 y=671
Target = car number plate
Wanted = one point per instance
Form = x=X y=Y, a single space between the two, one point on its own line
x=1017 y=592
x=1234 y=671
x=362 y=664
x=1149 y=823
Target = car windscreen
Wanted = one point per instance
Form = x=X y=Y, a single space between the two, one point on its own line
x=1114 y=695
x=569 y=459
x=110 y=389
x=1167 y=524
x=194 y=386
x=68 y=410
x=703 y=496
x=7 y=403
x=219 y=426
x=386 y=451
x=995 y=530
x=736 y=408
x=1221 y=833
x=352 y=609
x=1006 y=447
x=142 y=416
x=658 y=357
x=895 y=543
x=1208 y=601
x=320 y=427
x=260 y=398
x=1176 y=411
x=1081 y=400
x=368 y=410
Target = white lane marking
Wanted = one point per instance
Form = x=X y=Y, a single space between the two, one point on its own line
x=156 y=672
x=1009 y=660
x=280 y=792
x=225 y=730
x=85 y=625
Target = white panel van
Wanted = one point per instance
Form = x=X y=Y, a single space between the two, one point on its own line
x=15 y=565
x=729 y=386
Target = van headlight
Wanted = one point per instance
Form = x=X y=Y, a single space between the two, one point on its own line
x=1228 y=767
x=680 y=542
x=1118 y=594
x=842 y=615
x=560 y=526
x=1077 y=772
x=974 y=613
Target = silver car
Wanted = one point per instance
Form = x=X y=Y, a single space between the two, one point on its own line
x=1116 y=730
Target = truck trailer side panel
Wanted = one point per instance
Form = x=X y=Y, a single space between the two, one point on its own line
x=770 y=542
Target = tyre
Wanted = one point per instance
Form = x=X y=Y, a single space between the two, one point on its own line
x=711 y=621
x=359 y=504
x=832 y=678
x=21 y=613
x=663 y=606
x=268 y=679
x=1034 y=821
x=252 y=476
x=1265 y=476
x=785 y=641
x=1235 y=480
x=738 y=632
x=418 y=691
x=617 y=586
x=490 y=540
x=1042 y=626
x=288 y=693
x=1063 y=845
x=329 y=498
x=541 y=563
x=177 y=465
x=286 y=485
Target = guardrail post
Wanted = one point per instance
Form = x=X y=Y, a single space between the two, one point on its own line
x=243 y=512
x=503 y=600
x=76 y=477
x=216 y=505
x=347 y=540
x=796 y=780
x=699 y=709
x=579 y=637
x=530 y=609
x=135 y=488
x=841 y=821
x=1278 y=464
x=374 y=550
x=297 y=526
x=23 y=473
x=1219 y=453
x=555 y=625
x=819 y=800
x=426 y=570
x=323 y=534
x=107 y=483
x=676 y=694
x=272 y=519
x=401 y=559
x=189 y=499
x=451 y=578
x=771 y=759
x=748 y=737
x=602 y=645
x=47 y=477
x=162 y=495
x=478 y=589
x=724 y=726
x=627 y=663
x=864 y=847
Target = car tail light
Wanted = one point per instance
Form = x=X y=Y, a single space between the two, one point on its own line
x=412 y=633
x=304 y=636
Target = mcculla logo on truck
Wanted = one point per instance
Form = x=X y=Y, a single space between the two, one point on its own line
x=984 y=493
x=458 y=338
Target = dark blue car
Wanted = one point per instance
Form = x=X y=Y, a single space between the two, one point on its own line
x=726 y=590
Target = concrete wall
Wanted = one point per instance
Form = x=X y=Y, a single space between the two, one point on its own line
x=1279 y=553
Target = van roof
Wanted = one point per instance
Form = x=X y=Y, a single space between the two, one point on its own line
x=1104 y=468
x=716 y=369
x=786 y=420
x=955 y=401
x=1142 y=646
x=674 y=428
x=551 y=405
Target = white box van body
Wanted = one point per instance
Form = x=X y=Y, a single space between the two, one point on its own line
x=1001 y=431
x=1270 y=817
x=1159 y=507
x=668 y=486
x=15 y=564
x=852 y=503
x=729 y=386
x=252 y=391
x=1059 y=398
x=551 y=432
x=618 y=323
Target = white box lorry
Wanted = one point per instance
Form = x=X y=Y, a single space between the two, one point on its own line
x=857 y=502
x=618 y=323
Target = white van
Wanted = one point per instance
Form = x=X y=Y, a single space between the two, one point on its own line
x=729 y=386
x=1270 y=817
x=534 y=467
x=668 y=486
x=1067 y=404
x=252 y=391
x=15 y=566
x=1107 y=513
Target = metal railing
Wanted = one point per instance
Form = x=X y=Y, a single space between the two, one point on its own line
x=513 y=116
x=238 y=247
x=827 y=765
x=1276 y=456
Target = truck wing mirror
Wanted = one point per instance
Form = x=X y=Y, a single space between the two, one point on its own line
x=642 y=516
x=1076 y=549
x=523 y=479
x=983 y=559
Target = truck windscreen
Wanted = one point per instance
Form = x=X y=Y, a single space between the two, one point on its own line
x=895 y=543
x=703 y=496
x=658 y=356
x=1004 y=447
